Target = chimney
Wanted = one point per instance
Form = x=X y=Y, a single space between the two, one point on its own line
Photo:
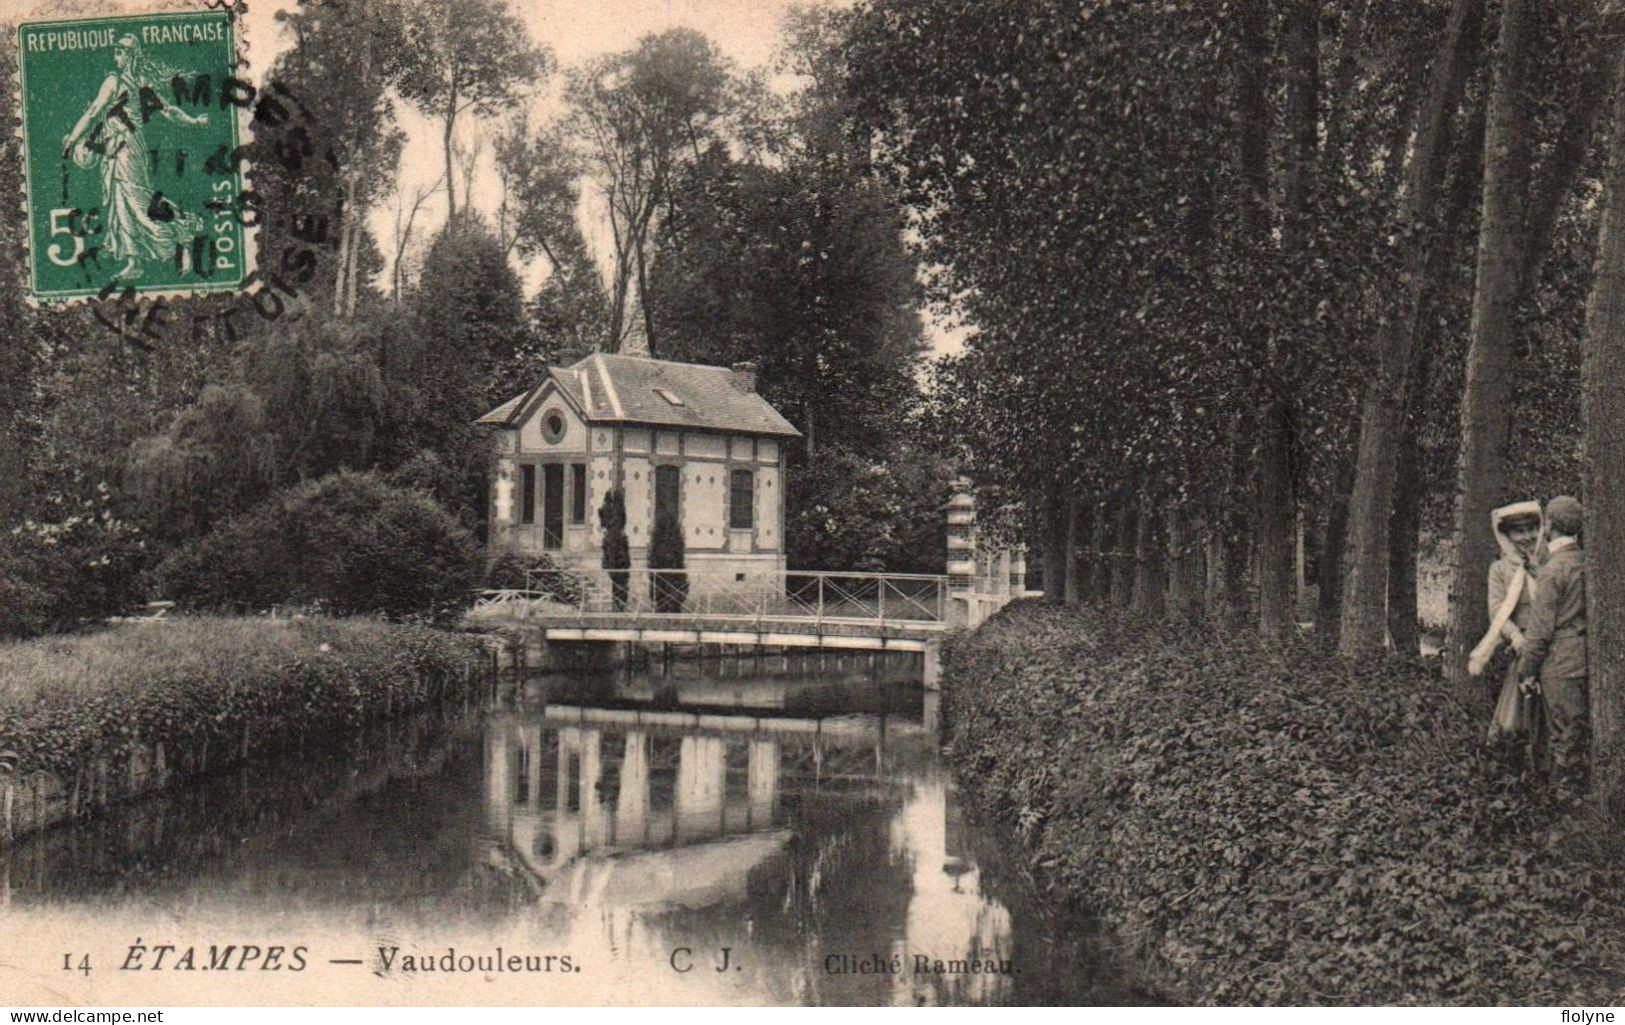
x=744 y=376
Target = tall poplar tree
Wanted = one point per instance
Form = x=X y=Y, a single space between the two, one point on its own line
x=1603 y=394
x=466 y=56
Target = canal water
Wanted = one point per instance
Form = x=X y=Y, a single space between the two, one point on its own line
x=759 y=830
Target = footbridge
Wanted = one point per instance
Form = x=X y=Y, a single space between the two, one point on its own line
x=796 y=609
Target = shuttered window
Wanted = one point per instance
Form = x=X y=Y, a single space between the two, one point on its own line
x=527 y=494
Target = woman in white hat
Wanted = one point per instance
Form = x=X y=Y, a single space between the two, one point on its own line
x=1517 y=529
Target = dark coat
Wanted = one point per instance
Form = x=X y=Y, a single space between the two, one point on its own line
x=1555 y=638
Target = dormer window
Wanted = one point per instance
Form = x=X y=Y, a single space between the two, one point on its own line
x=668 y=396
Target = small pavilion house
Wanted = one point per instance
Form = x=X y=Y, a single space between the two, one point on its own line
x=698 y=439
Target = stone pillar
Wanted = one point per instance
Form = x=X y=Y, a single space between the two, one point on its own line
x=502 y=503
x=931 y=666
x=961 y=539
x=1001 y=579
x=1018 y=571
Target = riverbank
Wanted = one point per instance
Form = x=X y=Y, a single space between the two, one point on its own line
x=89 y=720
x=1277 y=828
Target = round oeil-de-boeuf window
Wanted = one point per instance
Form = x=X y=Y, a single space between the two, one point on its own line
x=553 y=426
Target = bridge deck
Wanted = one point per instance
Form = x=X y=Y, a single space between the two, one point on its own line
x=764 y=631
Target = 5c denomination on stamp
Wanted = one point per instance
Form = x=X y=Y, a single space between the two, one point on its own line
x=133 y=155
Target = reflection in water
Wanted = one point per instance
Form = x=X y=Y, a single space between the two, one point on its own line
x=586 y=816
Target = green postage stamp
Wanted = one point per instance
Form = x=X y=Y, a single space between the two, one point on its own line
x=133 y=155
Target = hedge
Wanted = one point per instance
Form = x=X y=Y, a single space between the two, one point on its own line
x=1279 y=826
x=212 y=690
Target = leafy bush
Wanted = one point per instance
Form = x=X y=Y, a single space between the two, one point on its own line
x=25 y=609
x=1277 y=826
x=617 y=552
x=513 y=572
x=507 y=572
x=347 y=543
x=211 y=689
x=87 y=566
x=668 y=589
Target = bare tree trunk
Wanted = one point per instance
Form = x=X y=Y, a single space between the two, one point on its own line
x=620 y=282
x=1215 y=599
x=1071 y=589
x=1329 y=555
x=346 y=215
x=1486 y=402
x=1602 y=378
x=1365 y=589
x=451 y=183
x=643 y=301
x=1184 y=566
x=1237 y=537
x=1055 y=530
x=1403 y=530
x=1097 y=580
x=1122 y=589
x=353 y=214
x=1150 y=571
x=1273 y=496
x=351 y=281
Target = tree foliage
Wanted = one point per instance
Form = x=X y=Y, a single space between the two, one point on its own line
x=469 y=56
x=804 y=271
x=638 y=116
x=347 y=543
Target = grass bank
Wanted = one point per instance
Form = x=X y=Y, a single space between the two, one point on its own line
x=1278 y=827
x=87 y=719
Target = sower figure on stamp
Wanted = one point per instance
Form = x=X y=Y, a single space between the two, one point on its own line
x=139 y=226
x=1553 y=663
x=1515 y=728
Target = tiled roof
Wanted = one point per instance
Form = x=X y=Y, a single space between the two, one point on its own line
x=627 y=389
x=505 y=412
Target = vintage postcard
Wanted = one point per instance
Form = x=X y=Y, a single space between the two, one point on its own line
x=536 y=503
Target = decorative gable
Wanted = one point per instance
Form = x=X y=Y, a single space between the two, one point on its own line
x=551 y=422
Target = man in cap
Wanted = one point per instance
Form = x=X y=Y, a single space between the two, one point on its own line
x=1553 y=661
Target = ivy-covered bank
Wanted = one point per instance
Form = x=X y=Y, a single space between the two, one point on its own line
x=1282 y=827
x=88 y=719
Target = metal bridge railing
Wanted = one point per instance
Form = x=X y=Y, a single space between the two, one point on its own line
x=798 y=596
